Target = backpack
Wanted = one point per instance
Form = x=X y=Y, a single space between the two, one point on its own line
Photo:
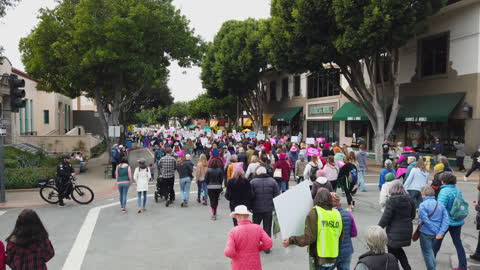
x=459 y=209
x=353 y=176
x=313 y=173
x=215 y=152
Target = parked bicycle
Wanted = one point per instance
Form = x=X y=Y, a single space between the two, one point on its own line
x=79 y=193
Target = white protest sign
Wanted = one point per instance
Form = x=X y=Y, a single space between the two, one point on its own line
x=234 y=132
x=204 y=141
x=294 y=139
x=261 y=137
x=238 y=137
x=209 y=134
x=292 y=207
x=219 y=133
x=310 y=141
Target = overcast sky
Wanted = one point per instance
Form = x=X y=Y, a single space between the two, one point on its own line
x=206 y=17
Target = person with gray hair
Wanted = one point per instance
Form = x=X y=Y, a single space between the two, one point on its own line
x=388 y=164
x=376 y=258
x=264 y=189
x=397 y=219
x=434 y=223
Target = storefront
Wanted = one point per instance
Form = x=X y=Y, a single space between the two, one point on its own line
x=319 y=120
x=357 y=125
x=288 y=121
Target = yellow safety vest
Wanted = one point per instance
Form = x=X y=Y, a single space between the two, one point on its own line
x=330 y=227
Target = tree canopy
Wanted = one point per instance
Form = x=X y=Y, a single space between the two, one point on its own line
x=361 y=38
x=4 y=4
x=116 y=51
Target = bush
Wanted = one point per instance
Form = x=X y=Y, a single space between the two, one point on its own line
x=98 y=149
x=26 y=177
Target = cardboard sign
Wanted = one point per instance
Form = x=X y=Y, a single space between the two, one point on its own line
x=234 y=132
x=346 y=140
x=273 y=141
x=283 y=140
x=321 y=140
x=251 y=134
x=204 y=141
x=219 y=132
x=209 y=134
x=310 y=141
x=261 y=137
x=294 y=139
x=312 y=151
x=238 y=137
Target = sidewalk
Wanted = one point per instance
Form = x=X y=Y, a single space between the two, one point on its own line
x=93 y=178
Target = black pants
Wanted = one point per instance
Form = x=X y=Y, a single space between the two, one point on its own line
x=475 y=166
x=348 y=192
x=399 y=253
x=169 y=182
x=267 y=219
x=213 y=195
x=114 y=169
x=64 y=187
x=334 y=185
x=385 y=157
x=460 y=165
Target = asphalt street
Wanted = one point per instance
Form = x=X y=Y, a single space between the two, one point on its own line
x=99 y=236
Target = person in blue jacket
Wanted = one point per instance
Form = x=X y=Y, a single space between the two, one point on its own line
x=115 y=159
x=388 y=169
x=447 y=195
x=433 y=227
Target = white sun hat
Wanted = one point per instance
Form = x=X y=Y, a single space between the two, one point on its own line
x=240 y=210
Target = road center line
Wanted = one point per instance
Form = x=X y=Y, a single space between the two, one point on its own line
x=79 y=249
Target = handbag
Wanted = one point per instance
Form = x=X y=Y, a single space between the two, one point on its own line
x=416 y=234
x=277 y=173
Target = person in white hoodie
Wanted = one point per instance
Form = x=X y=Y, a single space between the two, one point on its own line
x=331 y=172
x=311 y=169
x=321 y=182
x=382 y=200
x=142 y=176
x=416 y=181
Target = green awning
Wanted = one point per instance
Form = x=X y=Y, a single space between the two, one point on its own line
x=192 y=126
x=435 y=108
x=350 y=112
x=287 y=114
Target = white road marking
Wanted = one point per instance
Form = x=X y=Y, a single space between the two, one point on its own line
x=76 y=255
x=2 y=212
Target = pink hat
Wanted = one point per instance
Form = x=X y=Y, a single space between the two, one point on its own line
x=407 y=148
x=293 y=149
x=283 y=156
x=181 y=153
x=327 y=145
x=321 y=173
x=237 y=167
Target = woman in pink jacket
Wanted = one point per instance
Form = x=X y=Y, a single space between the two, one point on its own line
x=246 y=241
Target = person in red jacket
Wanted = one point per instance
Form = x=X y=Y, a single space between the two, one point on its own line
x=282 y=164
x=2 y=256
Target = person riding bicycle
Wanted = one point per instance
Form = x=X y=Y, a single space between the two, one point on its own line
x=64 y=172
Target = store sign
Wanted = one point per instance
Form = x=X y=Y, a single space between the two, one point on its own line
x=416 y=119
x=354 y=118
x=322 y=109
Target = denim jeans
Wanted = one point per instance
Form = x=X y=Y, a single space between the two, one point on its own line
x=343 y=263
x=123 y=190
x=202 y=185
x=455 y=233
x=416 y=197
x=361 y=178
x=185 y=188
x=321 y=267
x=139 y=198
x=283 y=186
x=426 y=243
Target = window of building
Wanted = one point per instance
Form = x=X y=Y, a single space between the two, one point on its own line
x=324 y=83
x=434 y=55
x=323 y=129
x=273 y=90
x=285 y=88
x=46 y=117
x=296 y=80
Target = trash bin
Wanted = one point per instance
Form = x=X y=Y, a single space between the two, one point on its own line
x=128 y=143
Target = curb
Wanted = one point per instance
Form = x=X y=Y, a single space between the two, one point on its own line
x=22 y=190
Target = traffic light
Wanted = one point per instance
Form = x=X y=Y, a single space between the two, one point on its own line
x=17 y=93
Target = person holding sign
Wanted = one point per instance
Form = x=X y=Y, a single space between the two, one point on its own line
x=323 y=232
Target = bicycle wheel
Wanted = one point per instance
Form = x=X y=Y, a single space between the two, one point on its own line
x=82 y=194
x=49 y=194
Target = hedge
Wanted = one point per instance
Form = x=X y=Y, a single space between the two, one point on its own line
x=26 y=177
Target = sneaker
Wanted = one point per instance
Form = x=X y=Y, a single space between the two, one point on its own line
x=124 y=210
x=205 y=203
x=198 y=200
x=182 y=204
x=139 y=211
x=363 y=190
x=61 y=204
x=214 y=217
x=267 y=251
x=465 y=179
x=185 y=204
x=168 y=203
x=475 y=257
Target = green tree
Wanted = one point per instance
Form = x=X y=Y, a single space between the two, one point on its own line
x=180 y=112
x=116 y=51
x=233 y=66
x=362 y=38
x=207 y=107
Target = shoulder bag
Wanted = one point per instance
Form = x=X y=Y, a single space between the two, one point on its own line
x=416 y=234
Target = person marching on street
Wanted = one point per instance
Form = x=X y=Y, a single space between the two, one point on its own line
x=239 y=191
x=115 y=160
x=124 y=180
x=460 y=155
x=185 y=171
x=202 y=166
x=475 y=164
x=214 y=180
x=416 y=181
x=300 y=168
x=376 y=258
x=349 y=231
x=362 y=157
x=142 y=176
x=167 y=167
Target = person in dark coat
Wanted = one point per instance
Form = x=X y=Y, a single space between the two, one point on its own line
x=397 y=221
x=285 y=167
x=376 y=258
x=242 y=157
x=264 y=189
x=239 y=191
x=344 y=182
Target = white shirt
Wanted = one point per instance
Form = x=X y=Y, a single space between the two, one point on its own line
x=141 y=177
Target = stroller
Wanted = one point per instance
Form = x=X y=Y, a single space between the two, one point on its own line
x=162 y=190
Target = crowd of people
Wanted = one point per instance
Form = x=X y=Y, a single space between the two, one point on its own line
x=251 y=173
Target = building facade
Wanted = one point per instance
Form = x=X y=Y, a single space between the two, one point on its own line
x=440 y=89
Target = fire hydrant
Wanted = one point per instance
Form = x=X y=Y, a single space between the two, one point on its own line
x=427 y=162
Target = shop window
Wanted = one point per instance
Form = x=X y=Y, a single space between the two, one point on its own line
x=285 y=88
x=325 y=129
x=433 y=55
x=46 y=117
x=324 y=83
x=273 y=90
x=296 y=80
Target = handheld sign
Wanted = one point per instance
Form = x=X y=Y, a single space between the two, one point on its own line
x=310 y=141
x=251 y=134
x=311 y=151
x=261 y=137
x=273 y=141
x=321 y=140
x=283 y=140
x=294 y=139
